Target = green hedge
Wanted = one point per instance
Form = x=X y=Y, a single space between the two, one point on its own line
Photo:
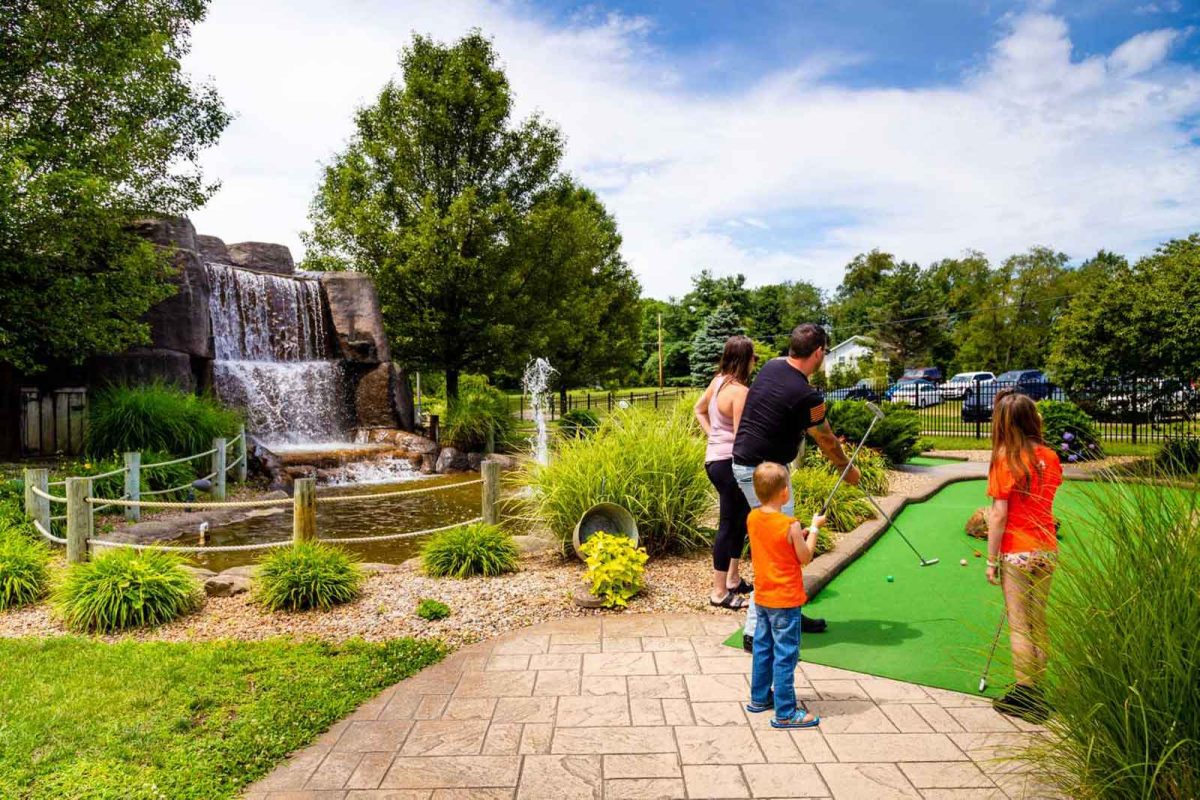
x=897 y=435
x=1069 y=431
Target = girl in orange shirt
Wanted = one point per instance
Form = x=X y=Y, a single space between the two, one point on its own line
x=1022 y=545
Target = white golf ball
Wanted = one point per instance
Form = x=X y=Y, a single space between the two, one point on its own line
x=962 y=561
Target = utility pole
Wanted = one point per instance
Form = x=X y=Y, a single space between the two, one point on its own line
x=660 y=354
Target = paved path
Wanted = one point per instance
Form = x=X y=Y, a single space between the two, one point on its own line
x=648 y=706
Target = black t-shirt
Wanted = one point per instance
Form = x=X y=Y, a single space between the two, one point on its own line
x=780 y=406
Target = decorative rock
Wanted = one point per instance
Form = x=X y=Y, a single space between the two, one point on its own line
x=201 y=573
x=402 y=398
x=531 y=545
x=451 y=460
x=585 y=599
x=371 y=567
x=474 y=460
x=212 y=249
x=428 y=463
x=226 y=585
x=357 y=319
x=505 y=462
x=262 y=256
x=147 y=532
x=140 y=365
x=175 y=232
x=181 y=321
x=373 y=398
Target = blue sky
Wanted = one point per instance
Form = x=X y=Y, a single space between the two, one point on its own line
x=775 y=139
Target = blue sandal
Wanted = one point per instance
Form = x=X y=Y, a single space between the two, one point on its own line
x=803 y=718
x=755 y=708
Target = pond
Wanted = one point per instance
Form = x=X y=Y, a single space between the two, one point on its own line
x=459 y=501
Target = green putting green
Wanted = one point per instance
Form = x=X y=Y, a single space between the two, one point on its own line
x=931 y=625
x=932 y=461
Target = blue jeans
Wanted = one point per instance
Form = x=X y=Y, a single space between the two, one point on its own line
x=745 y=480
x=776 y=651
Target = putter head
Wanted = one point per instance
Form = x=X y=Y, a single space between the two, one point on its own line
x=874 y=409
x=930 y=562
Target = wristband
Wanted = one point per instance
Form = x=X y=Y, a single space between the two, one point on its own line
x=993 y=564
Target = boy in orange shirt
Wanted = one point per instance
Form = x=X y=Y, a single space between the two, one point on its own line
x=779 y=547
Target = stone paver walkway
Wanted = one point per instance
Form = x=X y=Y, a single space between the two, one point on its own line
x=648 y=706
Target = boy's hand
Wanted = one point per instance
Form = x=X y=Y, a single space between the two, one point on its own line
x=817 y=521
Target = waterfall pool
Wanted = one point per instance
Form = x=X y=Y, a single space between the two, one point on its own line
x=358 y=518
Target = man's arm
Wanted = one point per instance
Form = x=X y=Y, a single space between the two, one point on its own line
x=832 y=449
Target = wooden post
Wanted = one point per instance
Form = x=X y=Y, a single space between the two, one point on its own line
x=304 y=510
x=133 y=485
x=218 y=466
x=490 y=445
x=433 y=427
x=79 y=519
x=489 y=470
x=242 y=450
x=660 y=352
x=37 y=508
x=656 y=401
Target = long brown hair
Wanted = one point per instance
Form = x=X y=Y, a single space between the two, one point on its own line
x=1016 y=430
x=738 y=359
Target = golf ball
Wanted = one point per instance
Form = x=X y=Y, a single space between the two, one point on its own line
x=962 y=561
x=890 y=579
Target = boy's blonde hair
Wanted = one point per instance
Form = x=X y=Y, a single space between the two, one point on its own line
x=769 y=480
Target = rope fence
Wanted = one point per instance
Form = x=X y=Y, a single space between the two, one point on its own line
x=82 y=505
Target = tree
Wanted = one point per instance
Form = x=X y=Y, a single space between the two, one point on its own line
x=709 y=343
x=850 y=311
x=429 y=197
x=98 y=125
x=776 y=308
x=589 y=325
x=1125 y=321
x=958 y=286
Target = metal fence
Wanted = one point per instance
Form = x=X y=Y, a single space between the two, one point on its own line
x=597 y=401
x=1133 y=410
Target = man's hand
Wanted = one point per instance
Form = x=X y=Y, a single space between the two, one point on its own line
x=853 y=476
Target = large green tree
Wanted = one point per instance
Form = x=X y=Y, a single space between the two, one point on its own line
x=1125 y=321
x=430 y=196
x=777 y=308
x=589 y=319
x=98 y=125
x=709 y=343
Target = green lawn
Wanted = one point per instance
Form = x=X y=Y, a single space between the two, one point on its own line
x=83 y=719
x=971 y=443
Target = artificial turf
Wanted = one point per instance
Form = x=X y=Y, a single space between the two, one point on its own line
x=933 y=625
x=932 y=461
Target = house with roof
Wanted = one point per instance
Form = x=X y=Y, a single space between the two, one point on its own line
x=849 y=353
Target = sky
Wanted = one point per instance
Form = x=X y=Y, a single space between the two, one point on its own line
x=774 y=138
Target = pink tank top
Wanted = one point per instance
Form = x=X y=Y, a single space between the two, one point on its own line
x=720 y=438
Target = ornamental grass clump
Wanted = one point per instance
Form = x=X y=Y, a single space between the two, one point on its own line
x=1124 y=671
x=649 y=462
x=616 y=568
x=810 y=487
x=432 y=610
x=156 y=416
x=126 y=589
x=872 y=466
x=307 y=575
x=24 y=568
x=897 y=435
x=476 y=549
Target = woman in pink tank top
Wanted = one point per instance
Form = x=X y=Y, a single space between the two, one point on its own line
x=718 y=410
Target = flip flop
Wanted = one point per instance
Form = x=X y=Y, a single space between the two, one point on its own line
x=733 y=601
x=742 y=587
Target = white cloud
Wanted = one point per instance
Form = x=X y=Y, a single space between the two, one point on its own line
x=1034 y=147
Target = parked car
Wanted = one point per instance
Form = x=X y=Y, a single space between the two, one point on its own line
x=932 y=374
x=863 y=390
x=918 y=393
x=978 y=401
x=956 y=388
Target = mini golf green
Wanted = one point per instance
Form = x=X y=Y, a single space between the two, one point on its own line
x=932 y=461
x=933 y=625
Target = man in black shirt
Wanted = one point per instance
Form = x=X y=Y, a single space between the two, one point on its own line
x=780 y=407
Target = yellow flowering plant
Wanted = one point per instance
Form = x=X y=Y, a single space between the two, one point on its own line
x=615 y=568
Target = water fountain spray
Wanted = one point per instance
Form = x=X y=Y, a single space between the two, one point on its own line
x=536 y=384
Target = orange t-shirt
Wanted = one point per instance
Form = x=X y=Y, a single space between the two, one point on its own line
x=778 y=582
x=1030 y=523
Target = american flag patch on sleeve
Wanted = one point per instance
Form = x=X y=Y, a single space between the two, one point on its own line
x=818 y=413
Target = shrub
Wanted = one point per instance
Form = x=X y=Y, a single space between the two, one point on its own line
x=126 y=589
x=578 y=423
x=871 y=464
x=650 y=462
x=12 y=502
x=156 y=417
x=1123 y=670
x=1069 y=431
x=615 y=568
x=477 y=549
x=112 y=486
x=479 y=408
x=897 y=435
x=307 y=575
x=1180 y=454
x=24 y=568
x=848 y=510
x=432 y=609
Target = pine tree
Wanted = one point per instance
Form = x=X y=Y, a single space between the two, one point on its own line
x=709 y=343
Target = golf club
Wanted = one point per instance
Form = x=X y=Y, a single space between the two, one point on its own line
x=876 y=415
x=995 y=640
x=925 y=562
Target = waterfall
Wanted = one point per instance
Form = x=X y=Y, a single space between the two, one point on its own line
x=274 y=355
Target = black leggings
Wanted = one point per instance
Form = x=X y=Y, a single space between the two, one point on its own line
x=731 y=527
